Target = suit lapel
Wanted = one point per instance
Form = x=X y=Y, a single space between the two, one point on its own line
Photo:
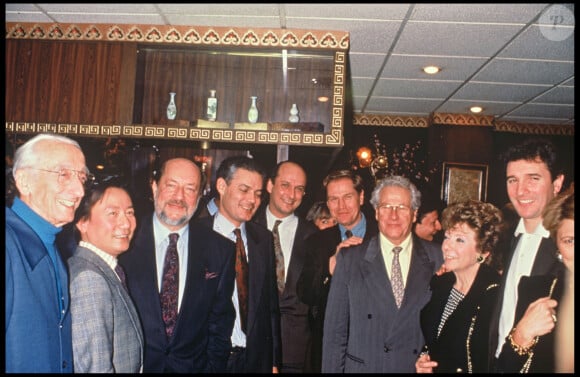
x=297 y=255
x=420 y=272
x=112 y=276
x=146 y=268
x=375 y=273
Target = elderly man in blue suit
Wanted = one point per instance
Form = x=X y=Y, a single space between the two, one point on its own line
x=371 y=326
x=49 y=172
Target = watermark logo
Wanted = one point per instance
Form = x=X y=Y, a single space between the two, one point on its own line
x=557 y=23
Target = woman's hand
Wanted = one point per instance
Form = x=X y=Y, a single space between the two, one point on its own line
x=424 y=364
x=539 y=319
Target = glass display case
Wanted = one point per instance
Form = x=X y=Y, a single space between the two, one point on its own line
x=115 y=81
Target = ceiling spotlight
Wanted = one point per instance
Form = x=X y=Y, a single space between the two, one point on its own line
x=431 y=69
x=476 y=109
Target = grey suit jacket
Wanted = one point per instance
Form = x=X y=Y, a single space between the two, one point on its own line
x=106 y=332
x=364 y=332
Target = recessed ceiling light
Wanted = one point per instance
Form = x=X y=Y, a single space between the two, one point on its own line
x=476 y=109
x=323 y=99
x=431 y=69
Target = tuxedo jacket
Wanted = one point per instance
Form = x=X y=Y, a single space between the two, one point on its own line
x=530 y=289
x=295 y=329
x=364 y=331
x=546 y=263
x=106 y=331
x=202 y=336
x=263 y=347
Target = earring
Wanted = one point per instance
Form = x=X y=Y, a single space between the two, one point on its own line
x=480 y=259
x=559 y=256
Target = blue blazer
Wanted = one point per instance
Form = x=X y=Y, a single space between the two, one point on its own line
x=263 y=347
x=364 y=332
x=38 y=339
x=202 y=335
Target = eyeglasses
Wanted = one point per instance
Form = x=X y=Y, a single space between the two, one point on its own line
x=65 y=176
x=395 y=207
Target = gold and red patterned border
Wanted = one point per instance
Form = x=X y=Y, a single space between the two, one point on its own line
x=190 y=35
x=462 y=120
x=332 y=139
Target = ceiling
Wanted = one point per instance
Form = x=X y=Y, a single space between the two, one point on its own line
x=514 y=60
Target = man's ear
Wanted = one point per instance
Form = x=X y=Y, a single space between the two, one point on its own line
x=221 y=185
x=21 y=180
x=269 y=186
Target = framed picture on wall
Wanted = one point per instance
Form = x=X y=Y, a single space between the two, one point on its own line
x=464 y=181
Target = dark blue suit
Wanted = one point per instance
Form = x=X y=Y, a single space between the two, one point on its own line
x=202 y=335
x=295 y=327
x=263 y=336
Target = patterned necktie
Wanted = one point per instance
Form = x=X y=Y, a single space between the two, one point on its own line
x=121 y=274
x=279 y=257
x=347 y=234
x=170 y=286
x=242 y=278
x=397 y=277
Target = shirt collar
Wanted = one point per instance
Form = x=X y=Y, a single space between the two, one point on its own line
x=406 y=244
x=225 y=227
x=162 y=233
x=271 y=219
x=108 y=258
x=358 y=230
x=540 y=231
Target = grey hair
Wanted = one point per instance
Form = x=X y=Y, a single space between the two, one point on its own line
x=26 y=155
x=397 y=181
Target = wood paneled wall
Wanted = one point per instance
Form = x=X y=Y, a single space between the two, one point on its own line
x=75 y=82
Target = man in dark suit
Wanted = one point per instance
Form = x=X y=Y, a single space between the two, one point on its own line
x=286 y=187
x=255 y=338
x=534 y=175
x=379 y=288
x=345 y=198
x=200 y=339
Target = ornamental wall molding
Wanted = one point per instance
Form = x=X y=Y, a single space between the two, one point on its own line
x=449 y=119
x=175 y=34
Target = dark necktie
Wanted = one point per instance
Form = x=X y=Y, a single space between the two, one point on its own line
x=397 y=277
x=279 y=257
x=242 y=278
x=348 y=234
x=170 y=285
x=121 y=274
